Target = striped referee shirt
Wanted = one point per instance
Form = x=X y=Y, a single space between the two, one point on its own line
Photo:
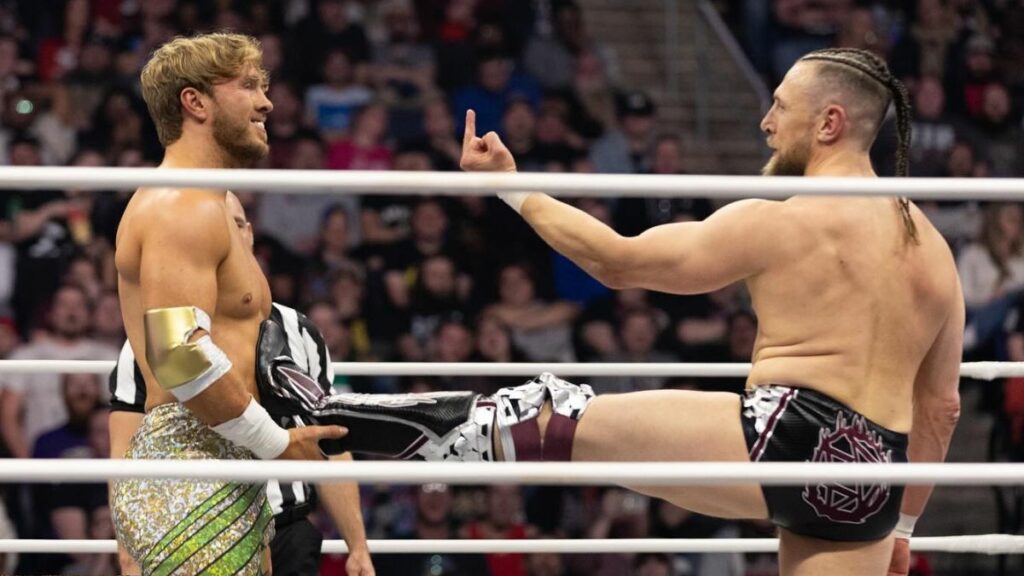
x=307 y=348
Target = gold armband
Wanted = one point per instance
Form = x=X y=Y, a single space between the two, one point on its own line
x=181 y=367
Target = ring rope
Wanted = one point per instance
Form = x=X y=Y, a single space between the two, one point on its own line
x=486 y=183
x=972 y=544
x=978 y=370
x=535 y=473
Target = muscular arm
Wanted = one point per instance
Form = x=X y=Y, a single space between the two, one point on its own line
x=936 y=404
x=735 y=243
x=679 y=258
x=181 y=252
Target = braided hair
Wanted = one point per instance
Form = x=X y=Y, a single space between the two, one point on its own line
x=867 y=71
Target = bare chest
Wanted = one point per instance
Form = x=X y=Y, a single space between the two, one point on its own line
x=243 y=292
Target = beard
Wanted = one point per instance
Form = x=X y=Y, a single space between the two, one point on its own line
x=237 y=140
x=792 y=162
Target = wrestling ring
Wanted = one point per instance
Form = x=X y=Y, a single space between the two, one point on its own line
x=574 y=473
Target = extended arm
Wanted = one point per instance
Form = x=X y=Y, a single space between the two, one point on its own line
x=342 y=502
x=682 y=258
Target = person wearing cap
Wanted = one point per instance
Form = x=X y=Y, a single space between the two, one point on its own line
x=627 y=149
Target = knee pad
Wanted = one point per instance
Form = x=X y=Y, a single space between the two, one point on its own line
x=518 y=408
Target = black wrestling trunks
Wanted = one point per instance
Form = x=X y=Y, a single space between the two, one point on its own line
x=783 y=424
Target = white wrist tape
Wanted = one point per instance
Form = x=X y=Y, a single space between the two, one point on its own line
x=905 y=527
x=257 y=431
x=515 y=199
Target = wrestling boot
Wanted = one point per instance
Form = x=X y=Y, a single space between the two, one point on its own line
x=439 y=426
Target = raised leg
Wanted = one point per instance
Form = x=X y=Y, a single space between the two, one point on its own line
x=672 y=426
x=802 y=556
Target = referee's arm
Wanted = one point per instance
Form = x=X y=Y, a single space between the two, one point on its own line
x=342 y=502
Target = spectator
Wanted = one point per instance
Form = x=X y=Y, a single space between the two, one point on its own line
x=453 y=342
x=999 y=133
x=803 y=26
x=638 y=334
x=542 y=330
x=285 y=125
x=83 y=273
x=497 y=84
x=627 y=149
x=32 y=402
x=332 y=105
x=441 y=292
x=290 y=218
x=108 y=329
x=503 y=521
x=669 y=521
x=349 y=297
x=701 y=321
x=925 y=50
x=439 y=135
x=101 y=527
x=652 y=565
x=63 y=511
x=550 y=54
x=634 y=215
x=992 y=272
x=429 y=226
x=273 y=57
x=453 y=35
x=364 y=147
x=934 y=133
x=494 y=342
x=332 y=252
x=44 y=242
x=56 y=127
x=557 y=145
x=993 y=266
x=592 y=96
x=81 y=397
x=976 y=71
x=320 y=36
x=339 y=342
x=404 y=66
x=518 y=132
x=860 y=30
x=433 y=504
x=58 y=55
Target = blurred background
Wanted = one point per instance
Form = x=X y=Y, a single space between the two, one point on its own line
x=608 y=86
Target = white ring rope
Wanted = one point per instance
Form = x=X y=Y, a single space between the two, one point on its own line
x=973 y=544
x=979 y=370
x=483 y=183
x=536 y=473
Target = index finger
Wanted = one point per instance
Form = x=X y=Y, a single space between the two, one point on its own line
x=470 y=127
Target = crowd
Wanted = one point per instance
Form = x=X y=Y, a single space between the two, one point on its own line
x=382 y=85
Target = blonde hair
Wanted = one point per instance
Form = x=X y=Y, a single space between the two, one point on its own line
x=198 y=62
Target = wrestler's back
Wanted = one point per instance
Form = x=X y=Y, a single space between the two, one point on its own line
x=243 y=294
x=853 y=308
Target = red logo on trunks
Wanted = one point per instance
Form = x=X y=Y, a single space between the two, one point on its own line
x=849 y=442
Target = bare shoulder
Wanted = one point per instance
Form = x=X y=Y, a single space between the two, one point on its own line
x=937 y=252
x=191 y=217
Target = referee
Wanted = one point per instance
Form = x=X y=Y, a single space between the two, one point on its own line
x=295 y=549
